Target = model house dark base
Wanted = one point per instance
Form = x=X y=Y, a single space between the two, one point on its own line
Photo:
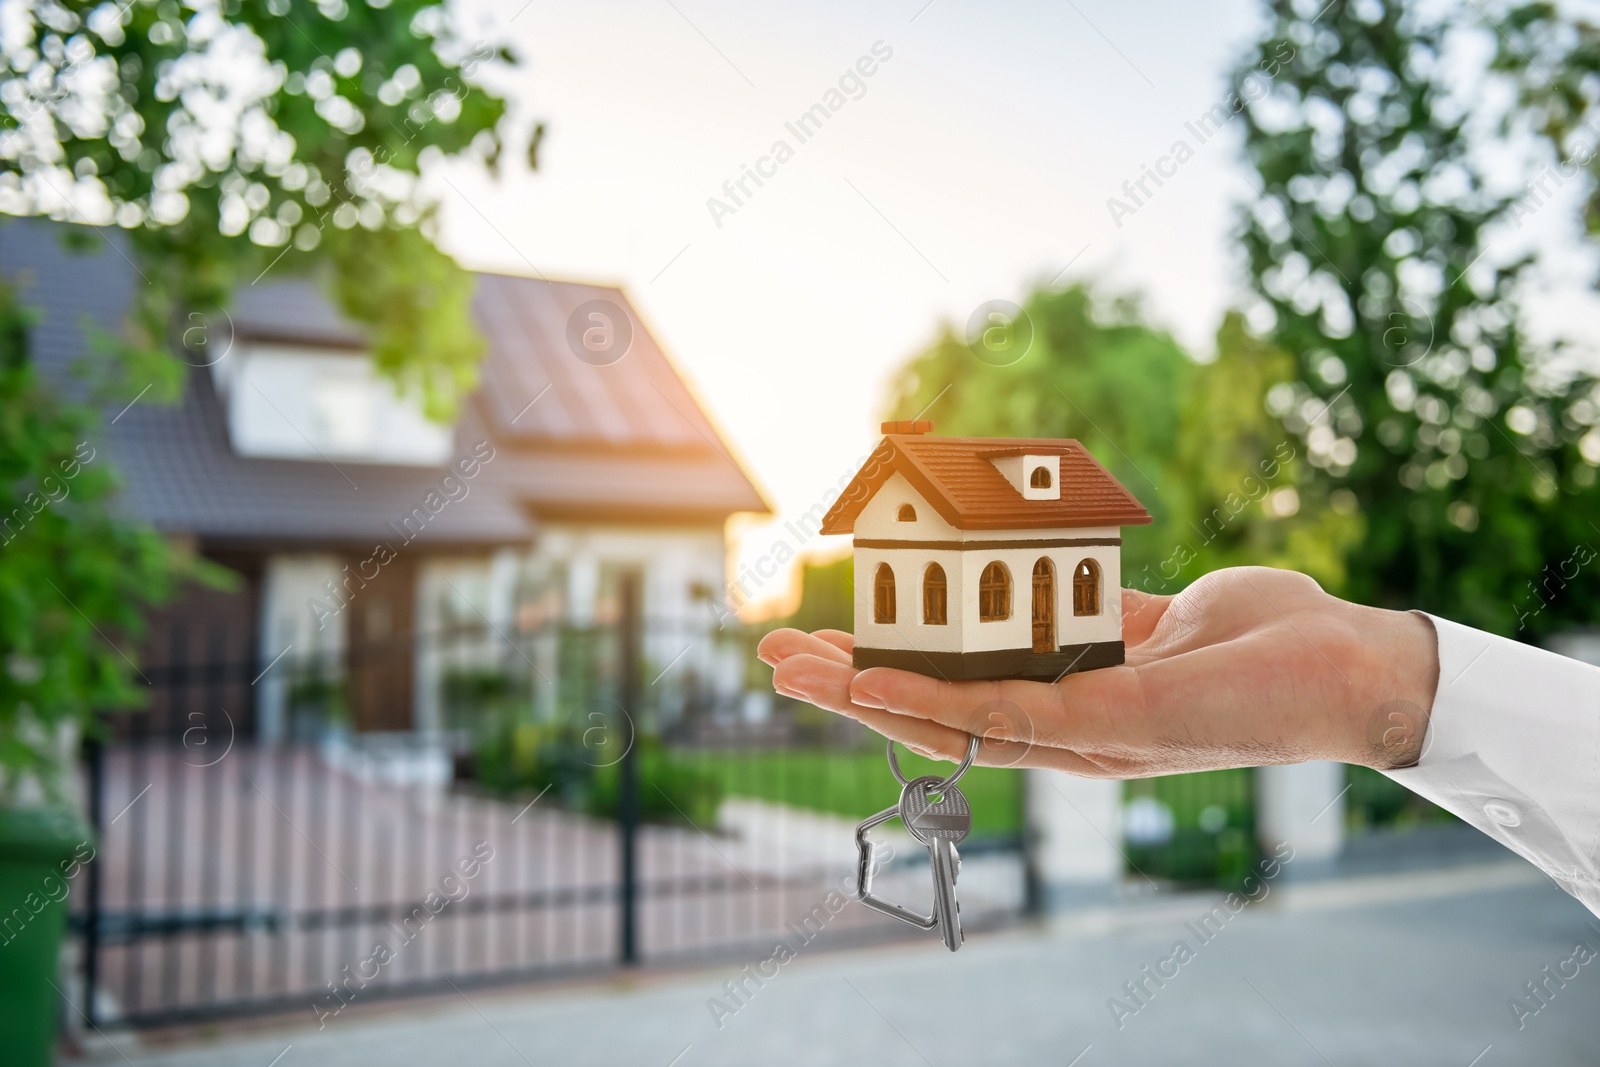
x=986 y=666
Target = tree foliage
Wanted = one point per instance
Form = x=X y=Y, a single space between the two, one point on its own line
x=72 y=574
x=1468 y=453
x=233 y=138
x=1192 y=441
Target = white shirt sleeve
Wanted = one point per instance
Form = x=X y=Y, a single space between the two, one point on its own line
x=1513 y=747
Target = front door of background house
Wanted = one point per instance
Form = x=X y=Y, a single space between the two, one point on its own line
x=1044 y=607
x=381 y=638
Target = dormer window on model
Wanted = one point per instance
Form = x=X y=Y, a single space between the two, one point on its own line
x=1036 y=477
x=985 y=557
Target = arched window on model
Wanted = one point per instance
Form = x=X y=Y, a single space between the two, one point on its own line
x=883 y=594
x=1086 y=588
x=935 y=596
x=907 y=513
x=1040 y=478
x=994 y=593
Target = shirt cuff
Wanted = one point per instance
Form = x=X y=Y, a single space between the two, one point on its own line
x=1513 y=748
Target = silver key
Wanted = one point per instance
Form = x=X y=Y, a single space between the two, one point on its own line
x=936 y=813
x=865 y=870
x=938 y=816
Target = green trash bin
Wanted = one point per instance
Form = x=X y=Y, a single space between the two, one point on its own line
x=41 y=851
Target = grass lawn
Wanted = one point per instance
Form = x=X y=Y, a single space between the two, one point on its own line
x=854 y=783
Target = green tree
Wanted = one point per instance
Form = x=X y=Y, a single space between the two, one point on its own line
x=1240 y=474
x=71 y=573
x=1077 y=366
x=1192 y=441
x=827 y=596
x=240 y=137
x=1414 y=387
x=229 y=141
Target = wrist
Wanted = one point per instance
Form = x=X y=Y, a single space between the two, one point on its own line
x=1398 y=678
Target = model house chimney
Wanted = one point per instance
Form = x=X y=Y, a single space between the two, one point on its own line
x=908 y=426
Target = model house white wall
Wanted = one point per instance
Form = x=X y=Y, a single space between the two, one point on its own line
x=963 y=562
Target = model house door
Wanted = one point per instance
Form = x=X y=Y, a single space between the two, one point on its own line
x=1044 y=607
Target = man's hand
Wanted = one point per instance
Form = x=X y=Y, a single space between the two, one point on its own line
x=1247 y=666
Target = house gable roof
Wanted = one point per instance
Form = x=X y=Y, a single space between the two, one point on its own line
x=624 y=443
x=959 y=480
x=640 y=401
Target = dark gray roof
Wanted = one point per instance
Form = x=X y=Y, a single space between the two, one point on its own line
x=291 y=309
x=624 y=442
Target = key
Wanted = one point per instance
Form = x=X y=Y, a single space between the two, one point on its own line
x=865 y=869
x=938 y=816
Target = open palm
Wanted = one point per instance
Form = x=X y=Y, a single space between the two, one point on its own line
x=1246 y=666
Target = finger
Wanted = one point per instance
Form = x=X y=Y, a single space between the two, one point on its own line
x=1078 y=708
x=1141 y=612
x=837 y=638
x=818 y=680
x=779 y=645
x=920 y=736
x=827 y=685
x=943 y=743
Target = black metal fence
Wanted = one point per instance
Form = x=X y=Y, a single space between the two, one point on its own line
x=566 y=799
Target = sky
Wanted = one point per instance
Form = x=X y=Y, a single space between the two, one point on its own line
x=976 y=160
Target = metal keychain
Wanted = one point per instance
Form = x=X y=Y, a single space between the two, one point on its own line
x=939 y=824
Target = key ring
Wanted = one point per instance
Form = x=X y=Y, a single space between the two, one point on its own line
x=972 y=753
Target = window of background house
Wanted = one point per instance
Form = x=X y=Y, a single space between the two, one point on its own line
x=907 y=513
x=310 y=403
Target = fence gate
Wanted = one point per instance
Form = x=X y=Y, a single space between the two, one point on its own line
x=584 y=803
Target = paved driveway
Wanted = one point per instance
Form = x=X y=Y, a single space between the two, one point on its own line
x=303 y=862
x=1406 y=969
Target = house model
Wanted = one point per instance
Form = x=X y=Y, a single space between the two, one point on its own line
x=982 y=557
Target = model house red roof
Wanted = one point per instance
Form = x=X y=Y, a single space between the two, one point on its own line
x=957 y=477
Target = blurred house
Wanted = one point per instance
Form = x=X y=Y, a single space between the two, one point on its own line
x=373 y=544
